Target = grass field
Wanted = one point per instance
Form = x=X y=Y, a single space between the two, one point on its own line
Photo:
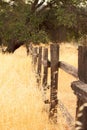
x=21 y=105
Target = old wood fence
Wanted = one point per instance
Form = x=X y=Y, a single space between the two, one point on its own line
x=40 y=58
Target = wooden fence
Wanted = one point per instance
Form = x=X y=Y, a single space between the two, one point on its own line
x=40 y=58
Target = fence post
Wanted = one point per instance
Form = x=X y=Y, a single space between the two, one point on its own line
x=39 y=66
x=29 y=49
x=45 y=72
x=54 y=51
x=82 y=73
x=34 y=57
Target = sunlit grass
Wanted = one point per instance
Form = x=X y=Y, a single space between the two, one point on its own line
x=21 y=105
x=69 y=54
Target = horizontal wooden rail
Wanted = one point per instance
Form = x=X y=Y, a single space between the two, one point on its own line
x=68 y=68
x=64 y=66
x=80 y=89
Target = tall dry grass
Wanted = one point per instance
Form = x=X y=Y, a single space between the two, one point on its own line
x=69 y=54
x=21 y=105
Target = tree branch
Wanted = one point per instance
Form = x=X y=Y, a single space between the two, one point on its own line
x=40 y=4
x=44 y=6
x=34 y=5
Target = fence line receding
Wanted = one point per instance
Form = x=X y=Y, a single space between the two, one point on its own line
x=40 y=58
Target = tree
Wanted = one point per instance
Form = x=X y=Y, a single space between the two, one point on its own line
x=14 y=31
x=41 y=21
x=69 y=16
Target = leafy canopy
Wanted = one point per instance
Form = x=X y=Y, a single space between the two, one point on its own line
x=40 y=20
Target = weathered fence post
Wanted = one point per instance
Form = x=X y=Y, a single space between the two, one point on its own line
x=80 y=89
x=39 y=66
x=54 y=50
x=45 y=72
x=82 y=63
x=34 y=58
x=81 y=119
x=29 y=51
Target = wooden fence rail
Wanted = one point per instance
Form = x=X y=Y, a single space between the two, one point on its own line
x=79 y=87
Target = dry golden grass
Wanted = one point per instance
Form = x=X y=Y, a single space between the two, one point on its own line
x=21 y=105
x=69 y=54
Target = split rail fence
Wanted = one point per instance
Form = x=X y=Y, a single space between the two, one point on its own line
x=40 y=58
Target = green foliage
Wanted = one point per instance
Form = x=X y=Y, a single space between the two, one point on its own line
x=65 y=17
x=18 y=22
x=38 y=37
x=13 y=24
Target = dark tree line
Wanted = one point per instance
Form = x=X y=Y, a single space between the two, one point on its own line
x=41 y=21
